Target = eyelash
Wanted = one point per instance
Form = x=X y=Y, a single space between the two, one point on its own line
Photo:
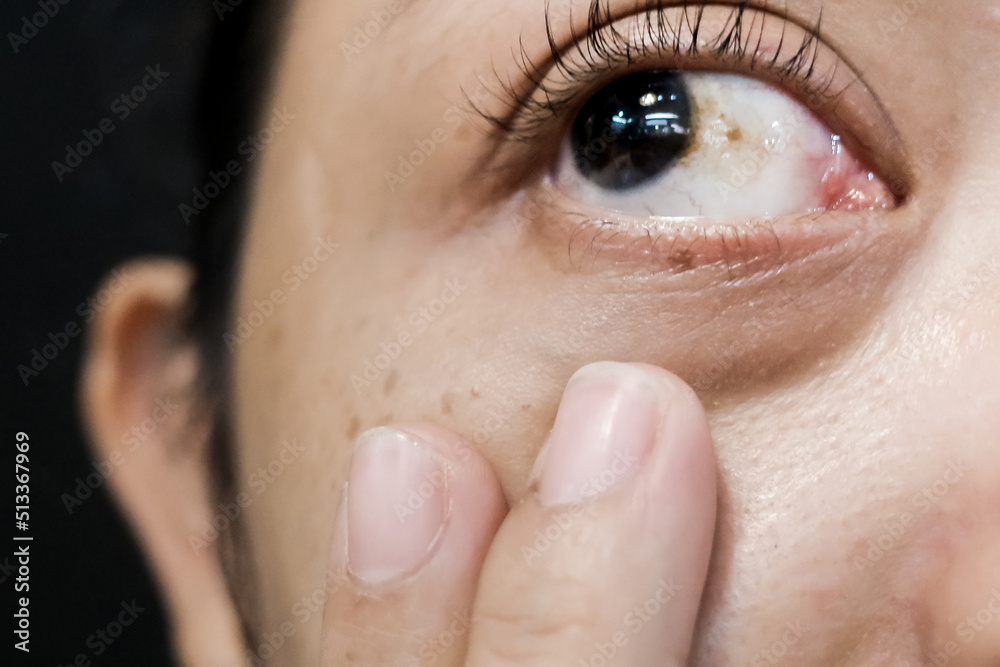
x=604 y=50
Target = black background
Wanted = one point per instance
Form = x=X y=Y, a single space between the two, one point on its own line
x=60 y=239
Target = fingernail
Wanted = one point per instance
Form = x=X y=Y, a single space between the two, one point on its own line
x=396 y=505
x=604 y=428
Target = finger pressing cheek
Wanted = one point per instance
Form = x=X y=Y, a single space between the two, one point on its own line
x=602 y=563
x=419 y=512
x=605 y=563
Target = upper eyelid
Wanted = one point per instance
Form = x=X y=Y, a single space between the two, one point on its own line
x=531 y=102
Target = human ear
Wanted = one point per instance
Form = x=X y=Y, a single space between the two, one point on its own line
x=141 y=403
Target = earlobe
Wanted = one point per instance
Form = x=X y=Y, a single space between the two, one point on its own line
x=141 y=403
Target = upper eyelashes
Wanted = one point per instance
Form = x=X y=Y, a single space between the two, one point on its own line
x=664 y=29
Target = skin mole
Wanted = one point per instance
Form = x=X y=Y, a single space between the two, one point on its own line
x=682 y=258
x=390 y=382
x=353 y=427
x=275 y=336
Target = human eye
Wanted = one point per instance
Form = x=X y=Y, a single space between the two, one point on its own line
x=697 y=116
x=668 y=143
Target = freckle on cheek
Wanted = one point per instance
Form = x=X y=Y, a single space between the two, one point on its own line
x=390 y=382
x=353 y=427
x=275 y=337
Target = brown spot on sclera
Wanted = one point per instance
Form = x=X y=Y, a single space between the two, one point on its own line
x=390 y=382
x=446 y=404
x=735 y=134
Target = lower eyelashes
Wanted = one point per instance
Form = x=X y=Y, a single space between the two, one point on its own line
x=673 y=144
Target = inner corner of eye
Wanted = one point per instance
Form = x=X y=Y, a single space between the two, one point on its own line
x=667 y=143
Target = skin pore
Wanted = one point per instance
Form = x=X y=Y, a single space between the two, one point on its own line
x=849 y=380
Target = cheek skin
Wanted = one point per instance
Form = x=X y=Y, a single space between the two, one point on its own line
x=803 y=490
x=470 y=367
x=966 y=539
x=865 y=520
x=491 y=365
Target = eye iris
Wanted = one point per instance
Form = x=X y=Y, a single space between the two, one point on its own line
x=632 y=129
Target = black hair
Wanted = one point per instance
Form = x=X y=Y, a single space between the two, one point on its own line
x=235 y=84
x=237 y=78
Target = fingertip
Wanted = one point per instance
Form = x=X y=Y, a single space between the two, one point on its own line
x=622 y=515
x=476 y=473
x=408 y=485
x=418 y=514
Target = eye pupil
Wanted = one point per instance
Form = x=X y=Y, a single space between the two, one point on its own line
x=632 y=130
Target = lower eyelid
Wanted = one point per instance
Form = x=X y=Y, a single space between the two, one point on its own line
x=586 y=239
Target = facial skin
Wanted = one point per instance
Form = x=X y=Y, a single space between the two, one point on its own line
x=850 y=385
